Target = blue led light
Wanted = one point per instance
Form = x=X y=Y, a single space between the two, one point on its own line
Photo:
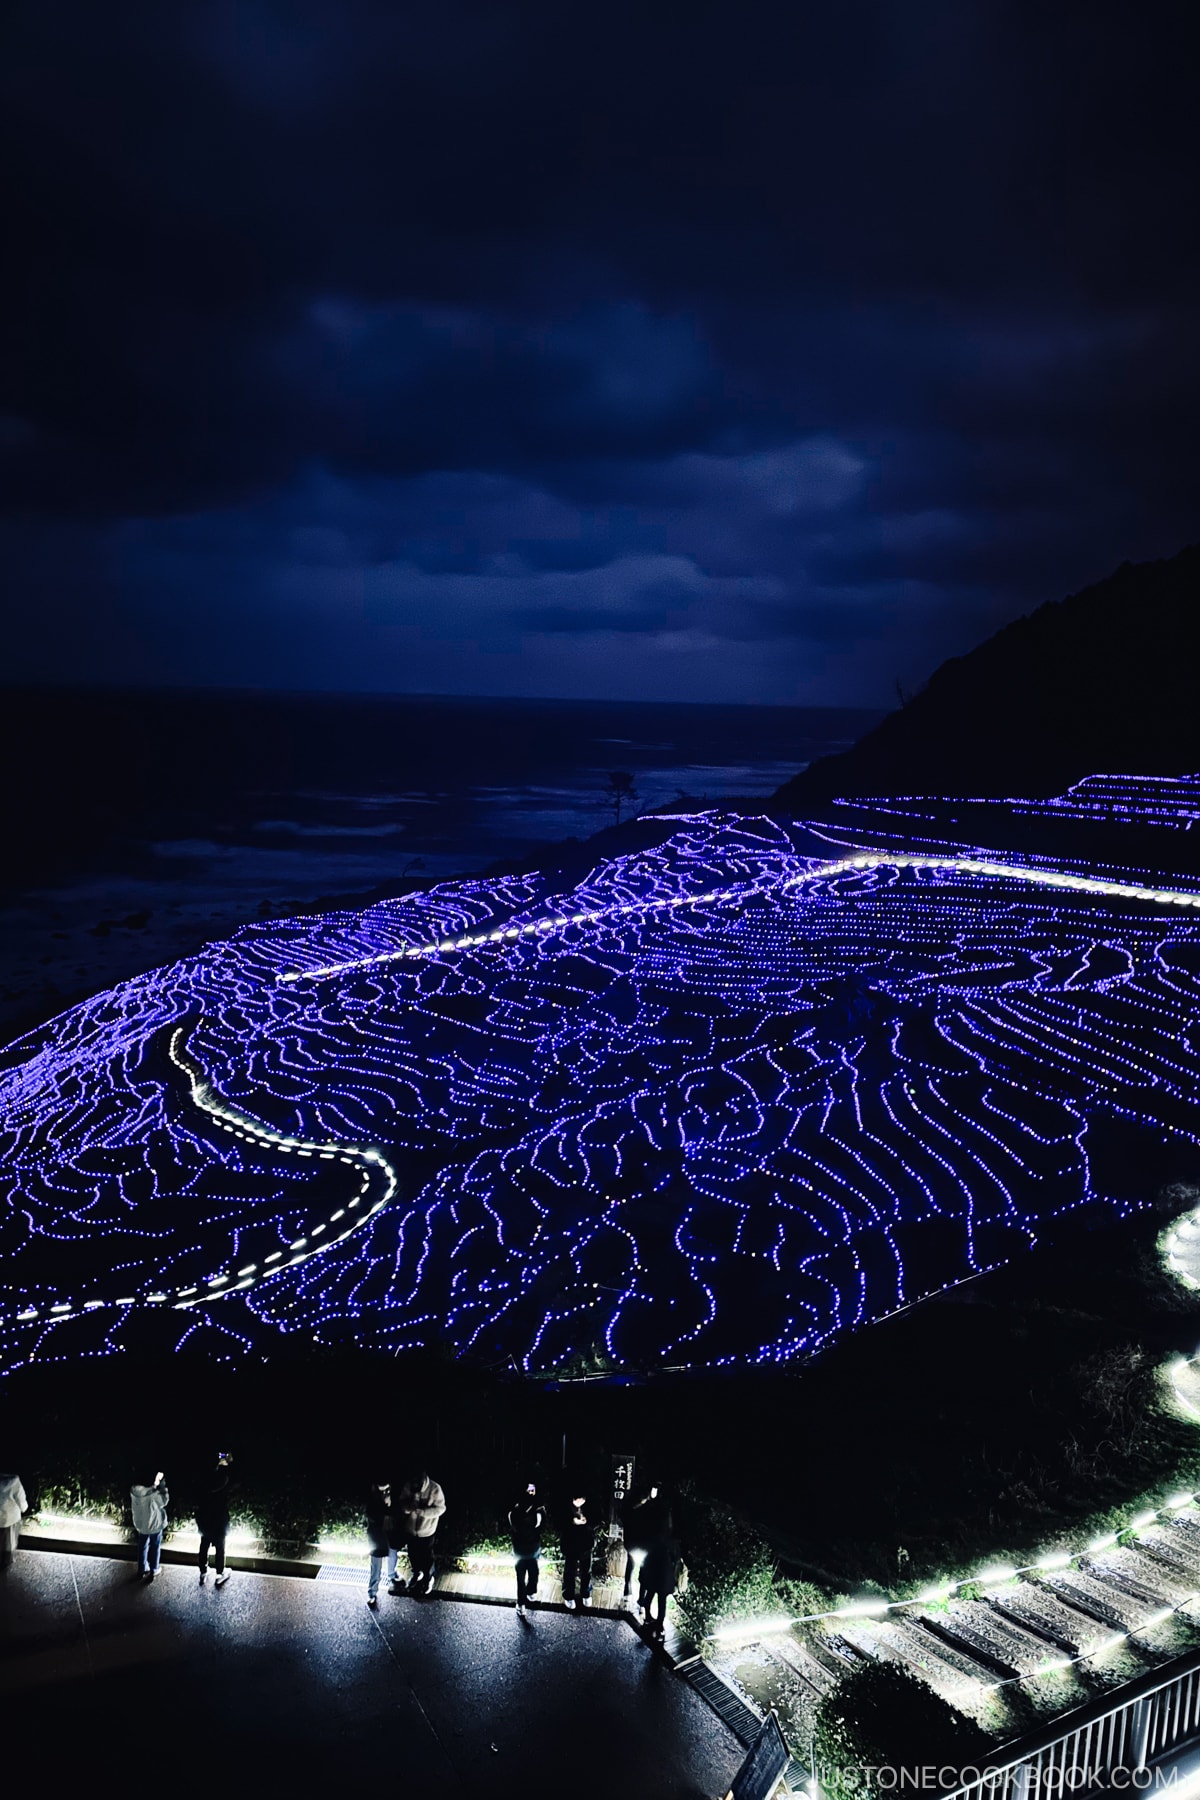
x=716 y=1103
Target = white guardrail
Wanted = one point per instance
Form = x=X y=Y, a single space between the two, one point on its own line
x=1111 y=1744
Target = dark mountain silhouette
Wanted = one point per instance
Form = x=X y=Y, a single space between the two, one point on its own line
x=1100 y=682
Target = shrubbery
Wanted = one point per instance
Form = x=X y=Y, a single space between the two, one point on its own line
x=731 y=1570
x=881 y=1717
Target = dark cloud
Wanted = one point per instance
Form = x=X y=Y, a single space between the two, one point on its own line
x=791 y=348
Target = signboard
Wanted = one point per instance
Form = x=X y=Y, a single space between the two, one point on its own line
x=622 y=1487
x=766 y=1760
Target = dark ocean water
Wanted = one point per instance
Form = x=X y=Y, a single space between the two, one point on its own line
x=288 y=797
x=163 y=815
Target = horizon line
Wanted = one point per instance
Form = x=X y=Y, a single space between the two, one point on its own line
x=100 y=688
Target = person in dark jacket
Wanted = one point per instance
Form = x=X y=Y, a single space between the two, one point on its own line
x=660 y=1573
x=381 y=1536
x=579 y=1541
x=643 y=1521
x=212 y=1519
x=525 y=1521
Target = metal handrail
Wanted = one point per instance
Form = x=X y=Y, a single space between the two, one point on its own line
x=1128 y=1730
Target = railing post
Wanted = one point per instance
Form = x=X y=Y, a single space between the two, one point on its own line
x=1117 y=1734
x=1139 y=1733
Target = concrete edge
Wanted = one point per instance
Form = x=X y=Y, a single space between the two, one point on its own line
x=251 y=1565
x=679 y=1655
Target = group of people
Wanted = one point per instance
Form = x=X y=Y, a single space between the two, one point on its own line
x=526 y=1518
x=148 y=1503
x=408 y=1521
x=149 y=1500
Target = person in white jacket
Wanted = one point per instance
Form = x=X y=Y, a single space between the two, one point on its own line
x=13 y=1507
x=148 y=1502
x=420 y=1504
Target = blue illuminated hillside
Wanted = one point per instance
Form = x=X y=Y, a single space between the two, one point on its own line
x=717 y=1102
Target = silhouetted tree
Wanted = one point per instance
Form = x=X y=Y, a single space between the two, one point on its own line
x=620 y=792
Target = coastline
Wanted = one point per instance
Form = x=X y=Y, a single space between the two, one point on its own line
x=62 y=946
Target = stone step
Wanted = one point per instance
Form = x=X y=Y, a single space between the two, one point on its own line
x=1063 y=1626
x=954 y=1629
x=1099 y=1599
x=933 y=1660
x=802 y=1662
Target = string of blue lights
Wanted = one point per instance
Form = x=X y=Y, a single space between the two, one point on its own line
x=716 y=1103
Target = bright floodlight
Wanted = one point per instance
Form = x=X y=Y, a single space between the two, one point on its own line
x=746 y=1630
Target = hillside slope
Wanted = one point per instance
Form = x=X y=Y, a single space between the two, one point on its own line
x=1102 y=680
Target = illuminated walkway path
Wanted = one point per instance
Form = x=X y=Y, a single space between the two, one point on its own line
x=849 y=865
x=293 y=1687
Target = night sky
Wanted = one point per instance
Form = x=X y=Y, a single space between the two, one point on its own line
x=753 y=352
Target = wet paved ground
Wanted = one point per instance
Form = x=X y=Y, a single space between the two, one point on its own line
x=297 y=1684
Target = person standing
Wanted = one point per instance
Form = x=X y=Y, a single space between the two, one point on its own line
x=643 y=1522
x=660 y=1574
x=212 y=1519
x=525 y=1522
x=579 y=1542
x=13 y=1507
x=420 y=1504
x=148 y=1502
x=381 y=1536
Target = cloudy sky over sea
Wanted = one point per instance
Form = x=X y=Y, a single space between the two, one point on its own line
x=759 y=354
